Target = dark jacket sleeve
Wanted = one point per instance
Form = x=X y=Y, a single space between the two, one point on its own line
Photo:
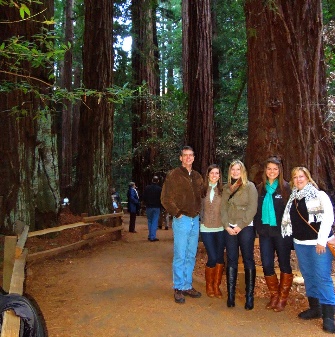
x=258 y=216
x=133 y=197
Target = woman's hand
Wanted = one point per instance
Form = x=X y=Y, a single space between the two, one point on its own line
x=237 y=229
x=320 y=249
x=233 y=230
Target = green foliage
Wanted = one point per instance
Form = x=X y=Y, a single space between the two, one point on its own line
x=45 y=50
x=166 y=115
x=230 y=104
x=328 y=7
x=39 y=52
x=169 y=32
x=22 y=6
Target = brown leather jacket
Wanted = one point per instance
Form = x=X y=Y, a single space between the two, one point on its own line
x=181 y=193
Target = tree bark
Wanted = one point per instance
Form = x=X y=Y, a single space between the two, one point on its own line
x=145 y=70
x=200 y=117
x=287 y=88
x=66 y=131
x=92 y=190
x=28 y=151
x=185 y=43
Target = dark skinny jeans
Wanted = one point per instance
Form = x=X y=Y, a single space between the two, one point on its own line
x=215 y=244
x=282 y=246
x=244 y=240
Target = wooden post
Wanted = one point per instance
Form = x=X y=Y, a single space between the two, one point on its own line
x=85 y=229
x=11 y=322
x=8 y=262
x=2 y=209
x=22 y=238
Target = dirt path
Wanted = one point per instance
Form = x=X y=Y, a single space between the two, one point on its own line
x=124 y=288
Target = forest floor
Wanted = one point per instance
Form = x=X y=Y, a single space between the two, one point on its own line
x=124 y=288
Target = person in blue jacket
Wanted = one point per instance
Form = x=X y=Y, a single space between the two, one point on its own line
x=133 y=205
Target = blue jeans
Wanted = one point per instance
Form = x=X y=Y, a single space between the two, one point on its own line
x=316 y=271
x=282 y=246
x=153 y=217
x=185 y=245
x=244 y=240
x=215 y=244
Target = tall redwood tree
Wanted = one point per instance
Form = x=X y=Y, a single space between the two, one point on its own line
x=145 y=70
x=199 y=82
x=29 y=189
x=287 y=88
x=95 y=142
x=66 y=166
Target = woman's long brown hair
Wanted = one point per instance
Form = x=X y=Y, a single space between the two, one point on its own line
x=206 y=180
x=277 y=161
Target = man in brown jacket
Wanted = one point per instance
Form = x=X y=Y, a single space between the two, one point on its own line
x=181 y=197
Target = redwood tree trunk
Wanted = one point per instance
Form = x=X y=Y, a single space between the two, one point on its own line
x=28 y=151
x=92 y=192
x=145 y=70
x=200 y=118
x=66 y=132
x=185 y=43
x=287 y=88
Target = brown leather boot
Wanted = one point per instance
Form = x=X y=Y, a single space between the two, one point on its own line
x=286 y=281
x=209 y=275
x=273 y=286
x=217 y=280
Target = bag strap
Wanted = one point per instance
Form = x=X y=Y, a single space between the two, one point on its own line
x=296 y=206
x=231 y=195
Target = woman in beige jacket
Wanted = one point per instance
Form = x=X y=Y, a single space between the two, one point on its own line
x=238 y=208
x=212 y=231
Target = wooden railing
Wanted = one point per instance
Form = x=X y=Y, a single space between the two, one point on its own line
x=86 y=237
x=16 y=255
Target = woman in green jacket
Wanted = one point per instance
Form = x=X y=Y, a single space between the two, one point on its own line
x=238 y=208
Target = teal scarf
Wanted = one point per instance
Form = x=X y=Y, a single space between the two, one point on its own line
x=268 y=210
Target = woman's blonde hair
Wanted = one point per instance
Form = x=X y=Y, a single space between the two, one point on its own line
x=306 y=173
x=244 y=174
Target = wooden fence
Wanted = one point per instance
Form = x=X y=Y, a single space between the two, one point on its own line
x=16 y=256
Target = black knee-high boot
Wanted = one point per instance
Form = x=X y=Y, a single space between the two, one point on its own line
x=328 y=318
x=250 y=277
x=231 y=286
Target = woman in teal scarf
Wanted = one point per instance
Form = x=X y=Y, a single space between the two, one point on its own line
x=273 y=194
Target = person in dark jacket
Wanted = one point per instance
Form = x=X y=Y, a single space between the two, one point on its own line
x=133 y=205
x=273 y=194
x=152 y=200
x=181 y=197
